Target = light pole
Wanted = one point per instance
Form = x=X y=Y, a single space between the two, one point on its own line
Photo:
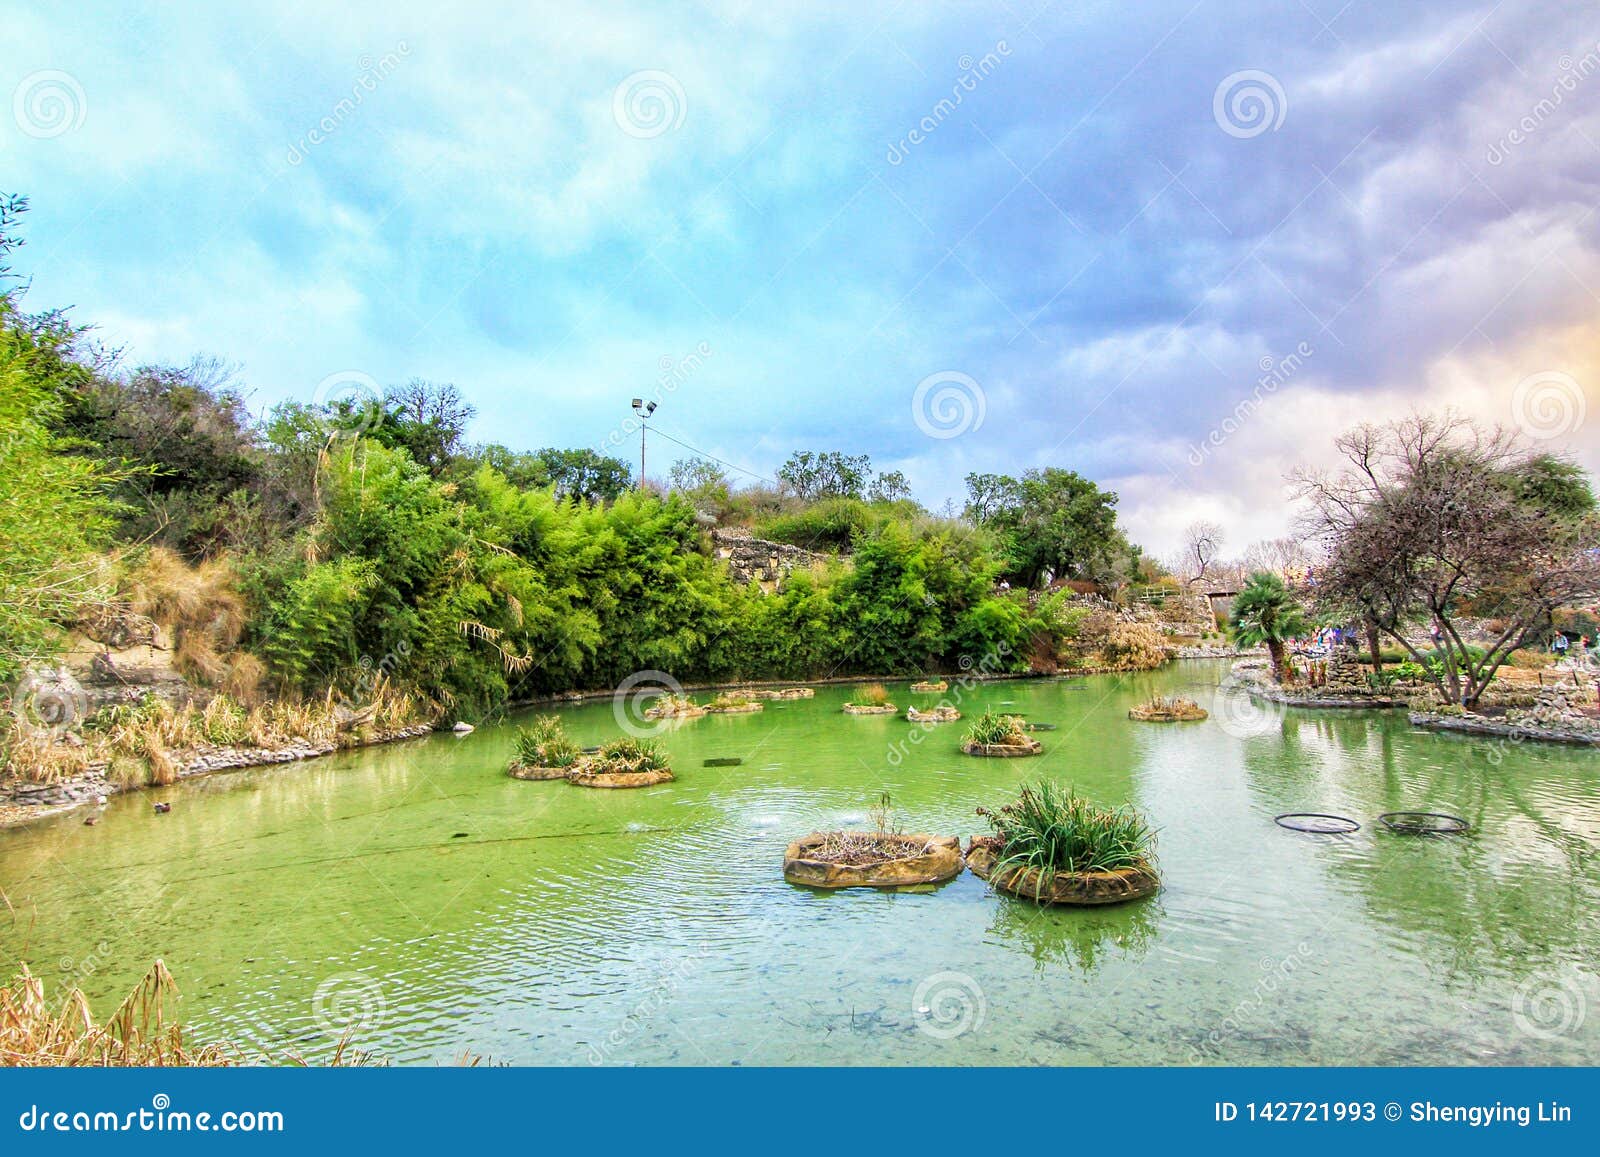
x=644 y=409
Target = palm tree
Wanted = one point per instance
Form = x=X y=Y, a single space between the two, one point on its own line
x=1267 y=612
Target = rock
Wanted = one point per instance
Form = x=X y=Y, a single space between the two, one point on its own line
x=462 y=727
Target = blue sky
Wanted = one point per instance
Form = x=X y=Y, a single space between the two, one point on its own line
x=1130 y=218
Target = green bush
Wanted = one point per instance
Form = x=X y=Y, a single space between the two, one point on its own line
x=993 y=729
x=1051 y=829
x=543 y=743
x=833 y=524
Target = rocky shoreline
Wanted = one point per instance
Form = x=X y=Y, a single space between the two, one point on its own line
x=22 y=802
x=1344 y=689
x=1516 y=732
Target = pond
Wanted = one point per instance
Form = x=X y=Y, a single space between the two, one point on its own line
x=419 y=894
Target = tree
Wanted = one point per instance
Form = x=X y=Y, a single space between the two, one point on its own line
x=1052 y=524
x=12 y=207
x=1266 y=613
x=890 y=486
x=586 y=474
x=1436 y=519
x=427 y=419
x=989 y=495
x=701 y=481
x=190 y=440
x=1202 y=544
x=828 y=474
x=54 y=515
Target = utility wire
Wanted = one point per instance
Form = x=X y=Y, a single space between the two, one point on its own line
x=719 y=461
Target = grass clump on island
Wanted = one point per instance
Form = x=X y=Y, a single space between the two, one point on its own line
x=1050 y=829
x=628 y=757
x=871 y=699
x=543 y=743
x=1168 y=709
x=734 y=701
x=856 y=849
x=993 y=729
x=673 y=706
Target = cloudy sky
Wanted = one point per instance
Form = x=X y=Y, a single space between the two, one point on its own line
x=978 y=236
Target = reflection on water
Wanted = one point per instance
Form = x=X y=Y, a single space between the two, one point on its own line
x=419 y=894
x=1078 y=939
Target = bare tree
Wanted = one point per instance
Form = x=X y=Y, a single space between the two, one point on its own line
x=1276 y=555
x=1436 y=519
x=1202 y=544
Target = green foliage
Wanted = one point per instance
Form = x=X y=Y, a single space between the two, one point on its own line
x=543 y=743
x=871 y=695
x=1052 y=829
x=828 y=474
x=831 y=524
x=630 y=755
x=1052 y=524
x=1266 y=612
x=994 y=728
x=54 y=511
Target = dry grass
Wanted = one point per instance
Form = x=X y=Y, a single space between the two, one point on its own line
x=148 y=742
x=1163 y=707
x=33 y=1033
x=202 y=610
x=858 y=849
x=872 y=695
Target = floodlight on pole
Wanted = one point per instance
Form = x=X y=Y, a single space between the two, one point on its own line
x=644 y=409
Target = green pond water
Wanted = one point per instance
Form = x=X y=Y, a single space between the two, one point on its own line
x=418 y=893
